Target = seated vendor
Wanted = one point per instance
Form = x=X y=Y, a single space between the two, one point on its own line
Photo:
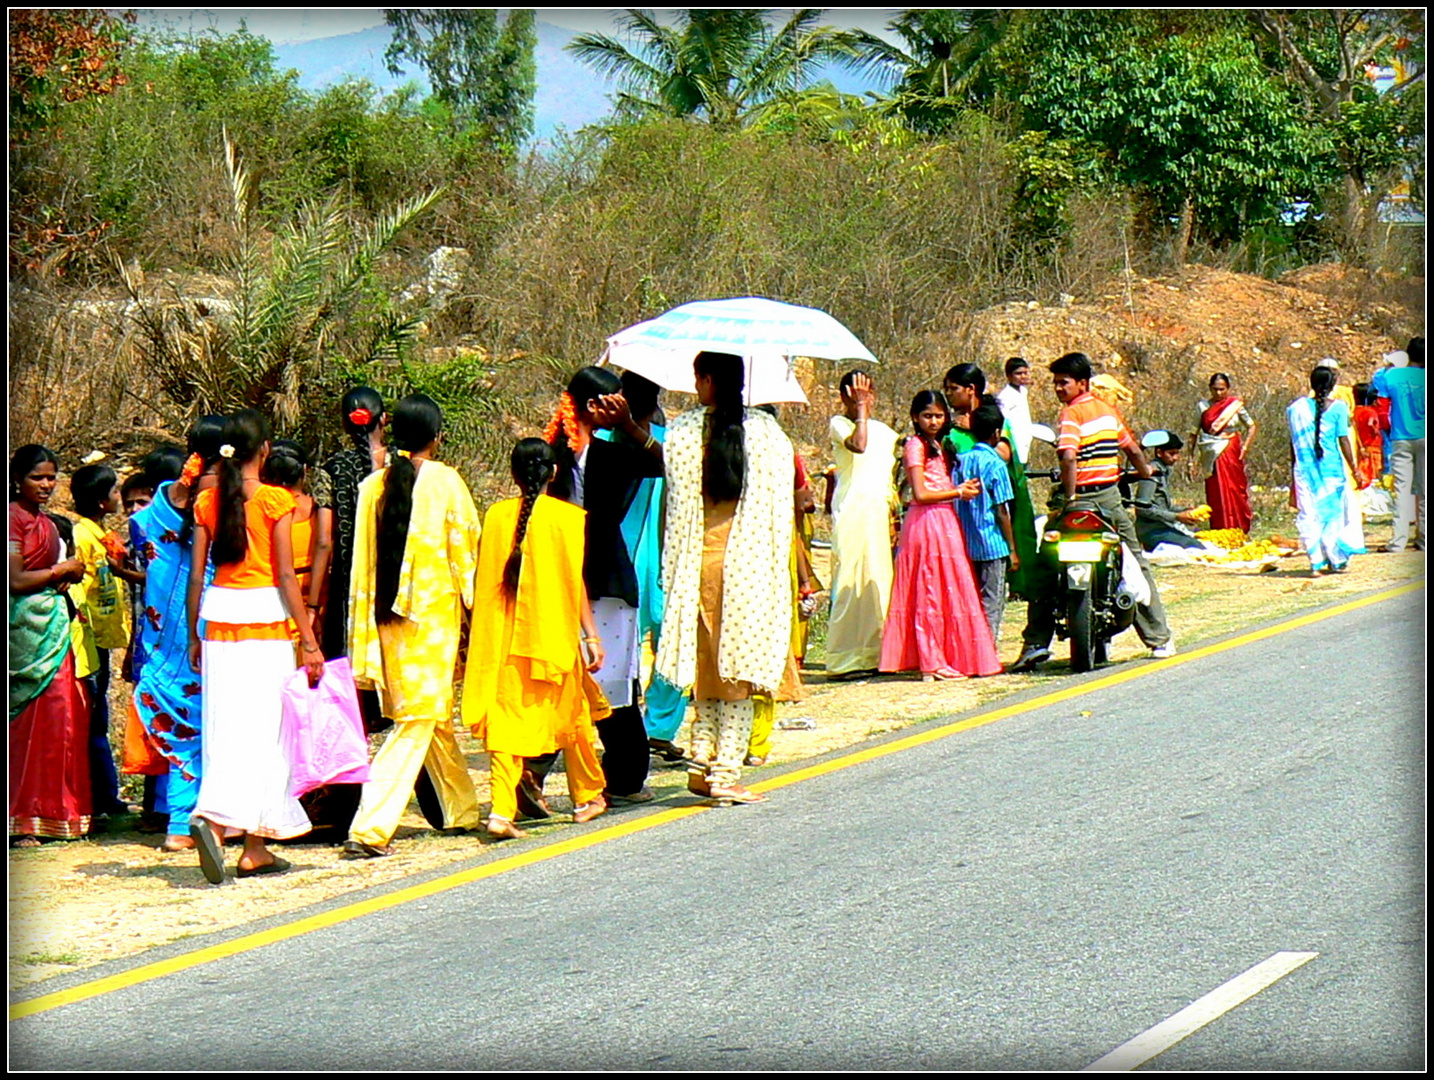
x=1156 y=520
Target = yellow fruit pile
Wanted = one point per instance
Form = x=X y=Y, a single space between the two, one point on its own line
x=1253 y=551
x=1225 y=538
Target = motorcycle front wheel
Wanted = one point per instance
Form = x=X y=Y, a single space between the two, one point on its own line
x=1080 y=623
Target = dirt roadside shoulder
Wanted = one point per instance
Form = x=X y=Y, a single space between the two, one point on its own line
x=75 y=905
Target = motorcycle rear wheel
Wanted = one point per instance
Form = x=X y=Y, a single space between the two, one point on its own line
x=1080 y=623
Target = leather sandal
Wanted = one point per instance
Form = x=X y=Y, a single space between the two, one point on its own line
x=531 y=803
x=697 y=784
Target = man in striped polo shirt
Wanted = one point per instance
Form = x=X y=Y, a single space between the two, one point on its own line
x=1091 y=438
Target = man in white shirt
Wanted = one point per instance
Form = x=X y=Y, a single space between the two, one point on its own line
x=1016 y=406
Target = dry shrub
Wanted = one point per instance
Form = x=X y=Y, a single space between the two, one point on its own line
x=70 y=388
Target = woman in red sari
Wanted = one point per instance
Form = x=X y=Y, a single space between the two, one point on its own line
x=1369 y=437
x=49 y=713
x=1221 y=455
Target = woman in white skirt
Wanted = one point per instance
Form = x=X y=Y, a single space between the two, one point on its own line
x=246 y=655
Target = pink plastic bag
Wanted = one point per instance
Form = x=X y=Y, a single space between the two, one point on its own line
x=322 y=731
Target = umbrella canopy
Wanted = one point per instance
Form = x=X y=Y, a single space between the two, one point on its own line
x=768 y=334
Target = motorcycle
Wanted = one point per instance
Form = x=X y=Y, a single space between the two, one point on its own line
x=1094 y=604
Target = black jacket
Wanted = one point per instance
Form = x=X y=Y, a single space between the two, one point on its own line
x=610 y=481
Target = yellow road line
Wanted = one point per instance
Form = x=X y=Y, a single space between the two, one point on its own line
x=369 y=906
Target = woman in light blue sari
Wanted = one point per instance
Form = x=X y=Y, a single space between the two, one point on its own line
x=1320 y=447
x=167 y=689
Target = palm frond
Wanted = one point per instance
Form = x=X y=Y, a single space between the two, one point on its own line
x=375 y=238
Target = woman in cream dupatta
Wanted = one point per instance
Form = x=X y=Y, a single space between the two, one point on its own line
x=725 y=569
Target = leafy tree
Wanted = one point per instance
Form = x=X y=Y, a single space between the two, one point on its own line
x=1330 y=56
x=1180 y=105
x=60 y=56
x=485 y=74
x=716 y=64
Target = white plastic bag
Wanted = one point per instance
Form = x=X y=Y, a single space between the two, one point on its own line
x=1132 y=577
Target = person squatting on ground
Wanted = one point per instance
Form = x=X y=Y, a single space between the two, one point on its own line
x=415 y=555
x=1156 y=519
x=726 y=568
x=528 y=690
x=1090 y=440
x=246 y=655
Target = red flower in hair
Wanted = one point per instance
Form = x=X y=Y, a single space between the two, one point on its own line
x=360 y=417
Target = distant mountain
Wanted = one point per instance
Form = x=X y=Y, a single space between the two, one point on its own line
x=569 y=95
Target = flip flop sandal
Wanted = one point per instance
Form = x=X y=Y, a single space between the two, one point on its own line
x=278 y=866
x=211 y=855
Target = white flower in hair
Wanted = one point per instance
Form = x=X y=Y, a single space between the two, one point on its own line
x=226 y=451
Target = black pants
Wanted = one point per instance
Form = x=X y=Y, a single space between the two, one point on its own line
x=104 y=780
x=625 y=755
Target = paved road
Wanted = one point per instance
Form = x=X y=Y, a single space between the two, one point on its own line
x=1025 y=895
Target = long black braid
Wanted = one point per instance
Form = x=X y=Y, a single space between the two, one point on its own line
x=1322 y=380
x=533 y=463
x=417 y=421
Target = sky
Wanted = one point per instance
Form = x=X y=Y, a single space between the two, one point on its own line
x=285 y=26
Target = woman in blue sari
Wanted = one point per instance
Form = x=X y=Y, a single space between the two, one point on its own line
x=1320 y=447
x=167 y=691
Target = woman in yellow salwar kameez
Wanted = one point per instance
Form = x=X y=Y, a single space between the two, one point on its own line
x=415 y=552
x=528 y=690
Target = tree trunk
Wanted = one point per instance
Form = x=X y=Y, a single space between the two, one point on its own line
x=1356 y=233
x=1182 y=232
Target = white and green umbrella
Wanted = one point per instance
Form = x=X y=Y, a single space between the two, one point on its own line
x=768 y=334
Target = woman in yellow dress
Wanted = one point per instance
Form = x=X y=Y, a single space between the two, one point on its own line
x=415 y=552
x=528 y=689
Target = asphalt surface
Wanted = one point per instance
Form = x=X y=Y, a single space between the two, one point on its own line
x=1025 y=895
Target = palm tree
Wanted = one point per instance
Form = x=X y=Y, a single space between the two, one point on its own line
x=948 y=62
x=292 y=292
x=716 y=63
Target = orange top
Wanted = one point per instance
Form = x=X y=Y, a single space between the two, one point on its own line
x=266 y=506
x=1095 y=431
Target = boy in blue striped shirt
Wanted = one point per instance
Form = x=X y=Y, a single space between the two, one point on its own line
x=986 y=519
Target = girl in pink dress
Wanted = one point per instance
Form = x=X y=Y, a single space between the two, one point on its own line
x=935 y=622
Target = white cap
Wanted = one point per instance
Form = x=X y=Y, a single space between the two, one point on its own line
x=1397 y=358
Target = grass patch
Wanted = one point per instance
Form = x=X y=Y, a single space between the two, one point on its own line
x=69 y=958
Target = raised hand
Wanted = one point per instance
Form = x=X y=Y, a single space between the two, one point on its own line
x=609 y=410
